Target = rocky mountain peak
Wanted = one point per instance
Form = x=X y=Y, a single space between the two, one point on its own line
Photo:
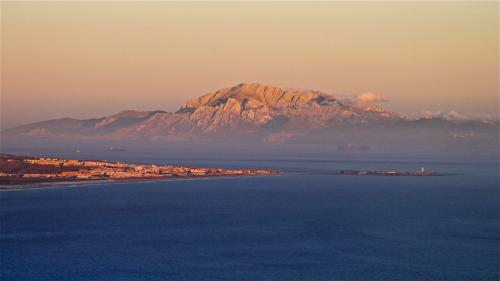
x=258 y=94
x=248 y=108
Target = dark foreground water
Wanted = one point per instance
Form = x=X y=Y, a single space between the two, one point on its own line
x=294 y=227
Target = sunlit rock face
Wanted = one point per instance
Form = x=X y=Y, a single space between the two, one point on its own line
x=256 y=107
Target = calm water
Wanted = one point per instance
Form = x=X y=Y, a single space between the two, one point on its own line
x=308 y=227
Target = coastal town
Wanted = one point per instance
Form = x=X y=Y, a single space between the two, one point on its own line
x=20 y=169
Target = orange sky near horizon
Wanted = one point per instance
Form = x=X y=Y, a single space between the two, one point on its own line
x=90 y=59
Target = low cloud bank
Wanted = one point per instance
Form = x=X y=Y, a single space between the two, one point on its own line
x=454 y=115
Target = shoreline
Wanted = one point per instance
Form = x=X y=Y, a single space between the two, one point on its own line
x=78 y=183
x=23 y=172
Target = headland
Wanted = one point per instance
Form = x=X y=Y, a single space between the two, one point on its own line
x=18 y=170
x=421 y=173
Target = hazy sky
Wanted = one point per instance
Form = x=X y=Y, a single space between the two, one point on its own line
x=89 y=59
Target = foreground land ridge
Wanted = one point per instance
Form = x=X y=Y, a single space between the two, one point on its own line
x=25 y=169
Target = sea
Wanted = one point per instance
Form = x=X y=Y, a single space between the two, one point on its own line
x=306 y=224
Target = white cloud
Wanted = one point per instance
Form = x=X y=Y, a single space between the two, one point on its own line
x=454 y=115
x=426 y=113
x=369 y=97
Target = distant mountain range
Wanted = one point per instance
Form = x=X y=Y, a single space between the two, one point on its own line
x=267 y=114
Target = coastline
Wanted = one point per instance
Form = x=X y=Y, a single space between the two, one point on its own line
x=81 y=183
x=23 y=172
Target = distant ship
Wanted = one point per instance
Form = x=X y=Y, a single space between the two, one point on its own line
x=116 y=149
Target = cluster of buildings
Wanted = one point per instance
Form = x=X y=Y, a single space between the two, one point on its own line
x=73 y=163
x=76 y=169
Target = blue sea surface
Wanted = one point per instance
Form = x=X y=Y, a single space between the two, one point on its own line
x=309 y=226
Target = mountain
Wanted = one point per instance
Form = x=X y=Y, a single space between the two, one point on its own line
x=69 y=127
x=268 y=114
x=242 y=109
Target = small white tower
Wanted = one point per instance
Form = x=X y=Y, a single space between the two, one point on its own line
x=422 y=170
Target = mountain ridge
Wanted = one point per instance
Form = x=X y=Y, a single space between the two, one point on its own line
x=262 y=112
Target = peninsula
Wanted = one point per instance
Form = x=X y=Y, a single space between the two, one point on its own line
x=421 y=173
x=15 y=170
